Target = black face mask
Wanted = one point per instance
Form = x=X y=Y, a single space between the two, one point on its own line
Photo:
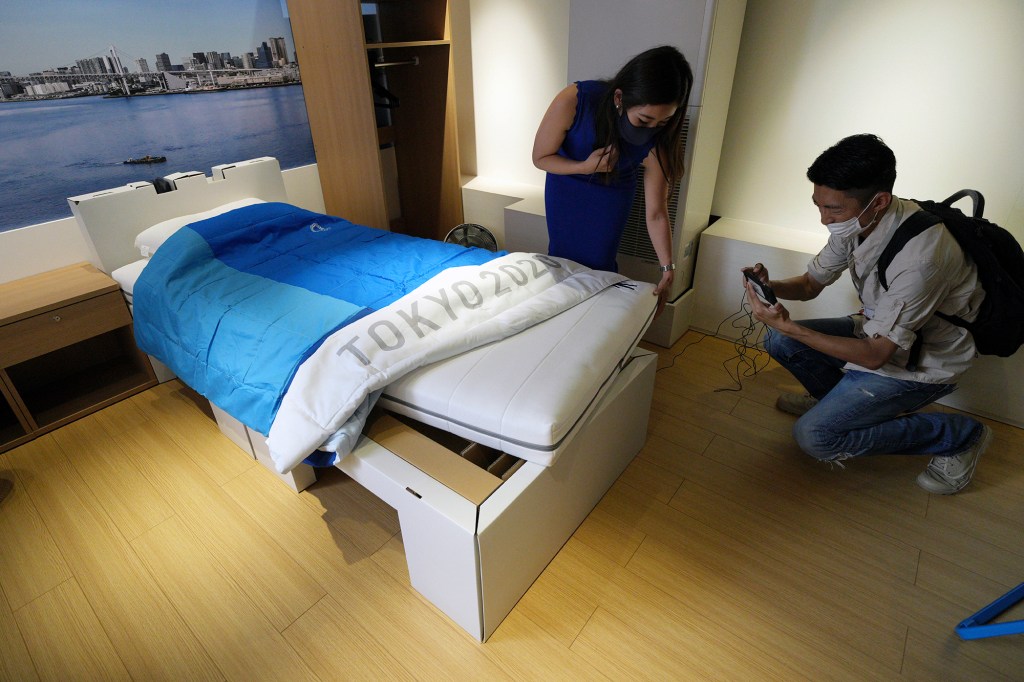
x=633 y=135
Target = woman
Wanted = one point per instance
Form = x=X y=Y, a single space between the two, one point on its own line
x=591 y=142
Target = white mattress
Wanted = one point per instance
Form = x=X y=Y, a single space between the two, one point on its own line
x=528 y=394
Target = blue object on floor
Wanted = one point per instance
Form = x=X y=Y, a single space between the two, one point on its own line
x=978 y=625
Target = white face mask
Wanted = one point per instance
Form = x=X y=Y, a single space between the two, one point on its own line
x=851 y=227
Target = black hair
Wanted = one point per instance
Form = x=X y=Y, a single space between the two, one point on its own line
x=858 y=165
x=660 y=75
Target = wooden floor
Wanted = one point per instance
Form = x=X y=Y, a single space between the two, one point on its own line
x=141 y=544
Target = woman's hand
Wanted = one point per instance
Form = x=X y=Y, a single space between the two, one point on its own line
x=661 y=291
x=600 y=161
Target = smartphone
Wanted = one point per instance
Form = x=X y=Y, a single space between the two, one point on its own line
x=763 y=291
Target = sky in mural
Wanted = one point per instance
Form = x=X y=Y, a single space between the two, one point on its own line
x=35 y=36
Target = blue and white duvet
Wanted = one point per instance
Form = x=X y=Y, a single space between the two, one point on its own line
x=291 y=321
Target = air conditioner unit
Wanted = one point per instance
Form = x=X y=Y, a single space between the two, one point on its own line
x=603 y=35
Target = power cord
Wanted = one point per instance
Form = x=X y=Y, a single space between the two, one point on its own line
x=692 y=343
x=749 y=346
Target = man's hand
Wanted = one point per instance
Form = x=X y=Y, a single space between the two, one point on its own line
x=759 y=271
x=775 y=316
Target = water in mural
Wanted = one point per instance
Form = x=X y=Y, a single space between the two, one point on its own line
x=53 y=149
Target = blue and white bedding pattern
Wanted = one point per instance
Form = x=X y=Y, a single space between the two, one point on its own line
x=457 y=310
x=291 y=320
x=234 y=303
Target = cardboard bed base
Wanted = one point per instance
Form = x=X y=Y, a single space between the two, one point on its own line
x=474 y=542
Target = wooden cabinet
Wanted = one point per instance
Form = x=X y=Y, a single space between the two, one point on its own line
x=66 y=349
x=379 y=88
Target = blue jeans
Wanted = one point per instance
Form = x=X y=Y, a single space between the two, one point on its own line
x=862 y=413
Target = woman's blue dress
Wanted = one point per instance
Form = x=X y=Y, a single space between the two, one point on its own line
x=586 y=215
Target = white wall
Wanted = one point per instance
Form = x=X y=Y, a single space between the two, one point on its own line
x=38 y=248
x=520 y=57
x=939 y=80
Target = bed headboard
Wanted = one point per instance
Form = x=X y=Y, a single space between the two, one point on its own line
x=110 y=219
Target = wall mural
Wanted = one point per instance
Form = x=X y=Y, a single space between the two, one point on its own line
x=96 y=95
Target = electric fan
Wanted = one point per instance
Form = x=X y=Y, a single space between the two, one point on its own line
x=471 y=234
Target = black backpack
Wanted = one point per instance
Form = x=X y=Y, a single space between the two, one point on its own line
x=999 y=327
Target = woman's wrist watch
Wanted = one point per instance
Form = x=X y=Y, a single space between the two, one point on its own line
x=668 y=268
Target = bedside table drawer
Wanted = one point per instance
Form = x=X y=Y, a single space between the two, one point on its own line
x=41 y=334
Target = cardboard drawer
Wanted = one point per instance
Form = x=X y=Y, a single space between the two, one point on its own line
x=466 y=468
x=40 y=334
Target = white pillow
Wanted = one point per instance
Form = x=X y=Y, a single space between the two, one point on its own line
x=150 y=239
x=127 y=275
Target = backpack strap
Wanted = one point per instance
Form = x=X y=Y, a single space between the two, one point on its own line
x=911 y=227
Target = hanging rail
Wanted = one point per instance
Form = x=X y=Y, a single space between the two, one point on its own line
x=415 y=61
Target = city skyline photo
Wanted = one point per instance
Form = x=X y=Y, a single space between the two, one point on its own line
x=36 y=37
x=76 y=127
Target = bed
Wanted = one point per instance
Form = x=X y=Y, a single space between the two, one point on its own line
x=492 y=454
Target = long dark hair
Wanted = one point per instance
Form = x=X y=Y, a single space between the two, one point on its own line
x=660 y=75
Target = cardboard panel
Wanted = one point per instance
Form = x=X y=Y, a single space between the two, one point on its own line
x=435 y=460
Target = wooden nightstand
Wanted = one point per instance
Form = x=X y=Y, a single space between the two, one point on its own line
x=66 y=350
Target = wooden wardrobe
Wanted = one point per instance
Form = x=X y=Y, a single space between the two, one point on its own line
x=380 y=96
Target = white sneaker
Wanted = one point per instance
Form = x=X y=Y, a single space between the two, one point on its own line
x=951 y=473
x=795 y=403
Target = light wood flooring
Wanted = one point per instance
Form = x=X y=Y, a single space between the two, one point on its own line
x=139 y=543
